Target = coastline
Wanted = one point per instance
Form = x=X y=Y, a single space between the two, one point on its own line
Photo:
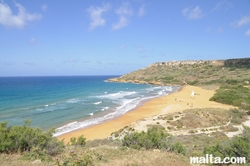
x=173 y=102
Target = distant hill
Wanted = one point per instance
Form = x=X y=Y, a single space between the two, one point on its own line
x=200 y=72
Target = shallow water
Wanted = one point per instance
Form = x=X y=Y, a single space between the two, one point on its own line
x=69 y=103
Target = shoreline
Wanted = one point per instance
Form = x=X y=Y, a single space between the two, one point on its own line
x=174 y=102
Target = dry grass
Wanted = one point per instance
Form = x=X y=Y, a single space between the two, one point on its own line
x=132 y=157
x=15 y=160
x=109 y=156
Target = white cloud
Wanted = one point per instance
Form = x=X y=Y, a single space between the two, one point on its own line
x=125 y=9
x=124 y=12
x=44 y=7
x=247 y=33
x=8 y=19
x=123 y=21
x=225 y=5
x=195 y=13
x=141 y=11
x=243 y=21
x=96 y=16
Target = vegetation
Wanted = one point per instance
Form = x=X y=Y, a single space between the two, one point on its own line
x=154 y=138
x=236 y=95
x=31 y=142
x=238 y=63
x=37 y=146
x=192 y=73
x=238 y=146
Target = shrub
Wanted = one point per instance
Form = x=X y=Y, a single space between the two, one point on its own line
x=152 y=139
x=238 y=146
x=178 y=147
x=233 y=95
x=25 y=139
x=80 y=141
x=76 y=159
x=193 y=82
x=237 y=116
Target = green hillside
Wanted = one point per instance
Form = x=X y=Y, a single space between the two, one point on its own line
x=192 y=73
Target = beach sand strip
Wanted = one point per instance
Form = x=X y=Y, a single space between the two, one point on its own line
x=187 y=97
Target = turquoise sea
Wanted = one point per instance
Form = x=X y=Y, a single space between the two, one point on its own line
x=68 y=103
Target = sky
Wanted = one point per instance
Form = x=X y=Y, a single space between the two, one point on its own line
x=115 y=37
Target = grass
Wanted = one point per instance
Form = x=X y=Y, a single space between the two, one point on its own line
x=107 y=156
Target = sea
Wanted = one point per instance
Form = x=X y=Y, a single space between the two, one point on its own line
x=68 y=103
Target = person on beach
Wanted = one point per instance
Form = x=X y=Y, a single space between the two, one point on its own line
x=192 y=94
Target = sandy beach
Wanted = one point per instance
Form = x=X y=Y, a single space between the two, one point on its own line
x=187 y=97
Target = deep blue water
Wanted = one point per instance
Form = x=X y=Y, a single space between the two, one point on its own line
x=70 y=102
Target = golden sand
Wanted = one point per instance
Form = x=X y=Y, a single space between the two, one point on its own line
x=187 y=97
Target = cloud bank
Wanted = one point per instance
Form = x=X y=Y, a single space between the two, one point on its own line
x=124 y=12
x=95 y=14
x=225 y=5
x=8 y=19
x=247 y=33
x=192 y=14
x=243 y=21
x=141 y=11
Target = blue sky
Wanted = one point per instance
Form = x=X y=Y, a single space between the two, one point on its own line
x=114 y=37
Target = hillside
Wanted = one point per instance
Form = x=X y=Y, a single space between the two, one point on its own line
x=191 y=72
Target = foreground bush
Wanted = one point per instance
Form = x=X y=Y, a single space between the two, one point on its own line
x=154 y=138
x=238 y=146
x=32 y=142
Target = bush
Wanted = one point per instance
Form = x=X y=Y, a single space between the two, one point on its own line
x=152 y=139
x=24 y=139
x=178 y=147
x=74 y=159
x=193 y=82
x=237 y=116
x=233 y=95
x=80 y=141
x=238 y=146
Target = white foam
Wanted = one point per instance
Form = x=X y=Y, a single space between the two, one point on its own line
x=160 y=92
x=117 y=95
x=125 y=106
x=73 y=101
x=77 y=125
x=91 y=114
x=105 y=108
x=99 y=102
